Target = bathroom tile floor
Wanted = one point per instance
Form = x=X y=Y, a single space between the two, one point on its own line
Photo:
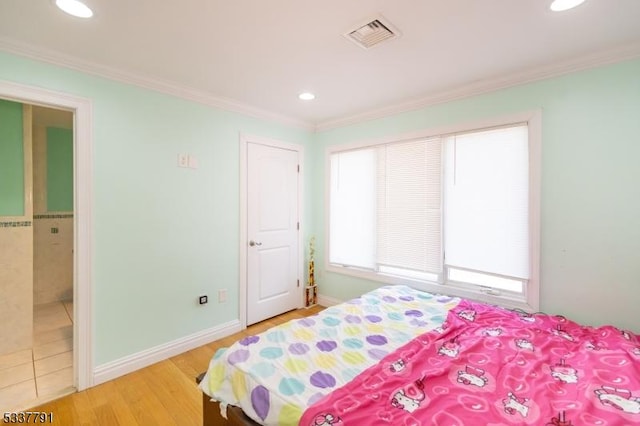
x=45 y=371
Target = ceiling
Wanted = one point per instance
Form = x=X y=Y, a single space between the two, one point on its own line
x=259 y=55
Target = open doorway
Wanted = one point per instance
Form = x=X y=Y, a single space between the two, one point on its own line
x=54 y=285
x=36 y=229
x=52 y=157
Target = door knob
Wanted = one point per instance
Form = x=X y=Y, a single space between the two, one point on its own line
x=254 y=243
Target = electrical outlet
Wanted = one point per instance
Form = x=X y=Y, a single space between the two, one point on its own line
x=203 y=300
x=222 y=295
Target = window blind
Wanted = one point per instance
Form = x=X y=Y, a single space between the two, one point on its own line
x=487 y=201
x=352 y=231
x=409 y=205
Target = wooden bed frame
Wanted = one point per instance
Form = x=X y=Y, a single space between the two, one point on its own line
x=211 y=412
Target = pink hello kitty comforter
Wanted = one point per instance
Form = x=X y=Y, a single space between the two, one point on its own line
x=490 y=366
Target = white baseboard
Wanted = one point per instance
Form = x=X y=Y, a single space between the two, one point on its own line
x=128 y=364
x=328 y=301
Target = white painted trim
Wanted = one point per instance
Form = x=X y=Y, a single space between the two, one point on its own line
x=242 y=291
x=433 y=287
x=607 y=57
x=27 y=146
x=472 y=125
x=148 y=82
x=535 y=205
x=242 y=243
x=301 y=245
x=83 y=232
x=327 y=301
x=83 y=216
x=128 y=364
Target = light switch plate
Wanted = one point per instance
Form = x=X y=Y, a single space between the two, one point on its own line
x=192 y=161
x=183 y=160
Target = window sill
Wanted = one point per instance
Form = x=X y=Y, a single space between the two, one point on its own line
x=507 y=301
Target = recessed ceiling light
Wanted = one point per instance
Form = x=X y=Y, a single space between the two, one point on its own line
x=75 y=8
x=307 y=96
x=560 y=5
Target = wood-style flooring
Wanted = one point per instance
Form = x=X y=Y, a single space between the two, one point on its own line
x=161 y=394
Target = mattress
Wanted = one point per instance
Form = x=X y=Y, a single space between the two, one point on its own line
x=274 y=376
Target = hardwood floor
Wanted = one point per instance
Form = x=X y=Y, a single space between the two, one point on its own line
x=161 y=394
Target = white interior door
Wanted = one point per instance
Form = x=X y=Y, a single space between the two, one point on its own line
x=273 y=285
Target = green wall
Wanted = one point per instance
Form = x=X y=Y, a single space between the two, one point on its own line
x=590 y=242
x=59 y=169
x=162 y=235
x=11 y=159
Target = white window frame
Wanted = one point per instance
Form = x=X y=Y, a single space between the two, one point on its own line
x=529 y=300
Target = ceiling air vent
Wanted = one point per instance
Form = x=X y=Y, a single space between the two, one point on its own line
x=372 y=33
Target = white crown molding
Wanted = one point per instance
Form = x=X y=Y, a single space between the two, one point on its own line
x=136 y=361
x=610 y=56
x=56 y=58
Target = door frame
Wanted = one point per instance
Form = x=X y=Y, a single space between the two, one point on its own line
x=82 y=109
x=245 y=139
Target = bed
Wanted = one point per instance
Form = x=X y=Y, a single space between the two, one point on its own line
x=275 y=375
x=400 y=356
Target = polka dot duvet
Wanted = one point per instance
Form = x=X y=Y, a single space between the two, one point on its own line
x=490 y=366
x=274 y=376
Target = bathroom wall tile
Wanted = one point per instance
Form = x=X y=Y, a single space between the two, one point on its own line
x=53 y=258
x=50 y=316
x=15 y=223
x=16 y=278
x=50 y=295
x=48 y=310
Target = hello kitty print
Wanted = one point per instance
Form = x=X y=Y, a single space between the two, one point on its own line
x=494 y=366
